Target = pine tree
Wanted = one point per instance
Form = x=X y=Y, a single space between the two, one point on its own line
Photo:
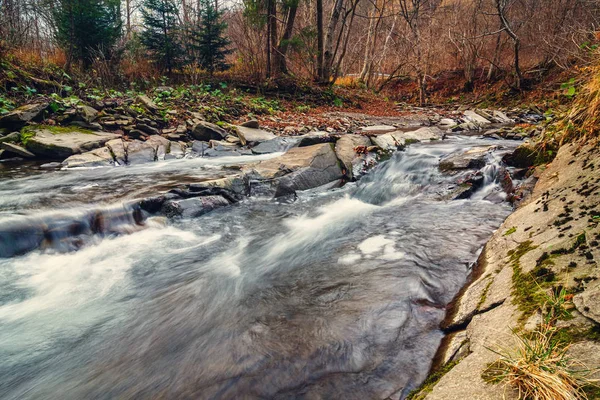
x=161 y=32
x=210 y=44
x=84 y=27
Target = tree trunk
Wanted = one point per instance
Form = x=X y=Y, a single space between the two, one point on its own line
x=280 y=56
x=272 y=31
x=319 y=39
x=329 y=39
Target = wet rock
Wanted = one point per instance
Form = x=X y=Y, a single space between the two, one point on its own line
x=205 y=131
x=389 y=141
x=161 y=146
x=251 y=135
x=16 y=150
x=466 y=189
x=21 y=115
x=60 y=145
x=424 y=134
x=147 y=103
x=300 y=168
x=200 y=147
x=345 y=149
x=101 y=157
x=193 y=207
x=176 y=151
x=136 y=134
x=275 y=145
x=471 y=159
x=253 y=124
x=523 y=157
x=139 y=152
x=502 y=118
x=117 y=148
x=447 y=122
x=238 y=185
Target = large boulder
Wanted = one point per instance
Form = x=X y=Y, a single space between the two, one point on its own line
x=161 y=146
x=117 y=148
x=300 y=168
x=101 y=157
x=205 y=131
x=86 y=114
x=251 y=135
x=389 y=141
x=21 y=115
x=61 y=143
x=424 y=134
x=346 y=151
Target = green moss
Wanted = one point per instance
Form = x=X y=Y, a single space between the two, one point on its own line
x=410 y=141
x=55 y=130
x=510 y=231
x=431 y=381
x=527 y=291
x=484 y=293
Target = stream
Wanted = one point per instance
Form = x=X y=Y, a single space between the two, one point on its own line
x=338 y=294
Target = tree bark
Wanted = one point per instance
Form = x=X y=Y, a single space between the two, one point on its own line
x=282 y=48
x=319 y=10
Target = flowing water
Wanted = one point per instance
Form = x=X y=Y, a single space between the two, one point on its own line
x=337 y=295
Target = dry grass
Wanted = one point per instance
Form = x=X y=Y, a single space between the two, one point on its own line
x=539 y=366
x=583 y=120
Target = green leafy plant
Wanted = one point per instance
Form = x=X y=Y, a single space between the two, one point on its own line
x=568 y=88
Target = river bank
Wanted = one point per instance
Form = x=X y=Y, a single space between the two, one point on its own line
x=548 y=244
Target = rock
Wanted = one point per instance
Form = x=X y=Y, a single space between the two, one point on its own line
x=12 y=137
x=200 y=147
x=21 y=115
x=275 y=145
x=51 y=165
x=117 y=148
x=253 y=124
x=502 y=118
x=313 y=138
x=220 y=145
x=176 y=151
x=62 y=144
x=389 y=141
x=474 y=117
x=447 y=122
x=251 y=135
x=471 y=159
x=194 y=207
x=147 y=103
x=147 y=129
x=346 y=153
x=17 y=150
x=588 y=302
x=377 y=129
x=424 y=134
x=101 y=157
x=93 y=126
x=205 y=131
x=139 y=152
x=300 y=168
x=523 y=157
x=86 y=113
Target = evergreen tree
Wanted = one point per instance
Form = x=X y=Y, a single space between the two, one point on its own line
x=84 y=27
x=210 y=44
x=160 y=34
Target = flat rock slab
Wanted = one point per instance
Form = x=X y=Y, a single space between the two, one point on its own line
x=45 y=143
x=101 y=157
x=423 y=134
x=275 y=145
x=378 y=129
x=471 y=159
x=20 y=116
x=17 y=150
x=251 y=135
x=472 y=116
x=206 y=131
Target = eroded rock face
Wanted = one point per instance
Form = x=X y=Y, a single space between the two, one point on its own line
x=300 y=168
x=21 y=115
x=61 y=145
x=588 y=302
x=346 y=150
